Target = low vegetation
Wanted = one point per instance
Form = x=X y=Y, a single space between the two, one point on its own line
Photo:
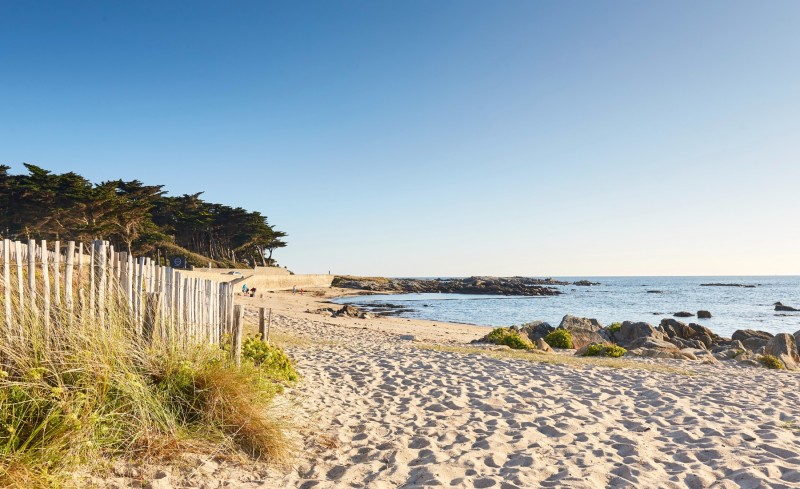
x=771 y=361
x=557 y=359
x=560 y=338
x=614 y=327
x=604 y=350
x=83 y=394
x=509 y=337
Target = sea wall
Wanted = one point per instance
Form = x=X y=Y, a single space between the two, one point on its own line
x=275 y=282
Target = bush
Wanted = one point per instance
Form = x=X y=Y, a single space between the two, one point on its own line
x=509 y=337
x=614 y=327
x=771 y=361
x=560 y=338
x=269 y=358
x=604 y=350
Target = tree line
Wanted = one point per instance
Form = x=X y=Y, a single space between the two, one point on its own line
x=135 y=217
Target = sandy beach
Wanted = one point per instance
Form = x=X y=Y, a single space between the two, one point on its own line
x=378 y=411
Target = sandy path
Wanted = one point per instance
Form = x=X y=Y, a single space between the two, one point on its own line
x=383 y=413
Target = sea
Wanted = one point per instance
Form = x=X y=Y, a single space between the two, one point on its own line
x=617 y=299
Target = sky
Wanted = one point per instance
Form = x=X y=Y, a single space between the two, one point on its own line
x=435 y=138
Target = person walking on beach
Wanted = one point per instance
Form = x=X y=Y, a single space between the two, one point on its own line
x=244 y=289
x=294 y=289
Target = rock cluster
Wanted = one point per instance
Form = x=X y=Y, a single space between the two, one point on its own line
x=673 y=339
x=522 y=286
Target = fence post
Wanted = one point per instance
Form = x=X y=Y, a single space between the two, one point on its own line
x=57 y=273
x=236 y=340
x=32 y=274
x=46 y=291
x=269 y=324
x=7 y=285
x=152 y=305
x=262 y=323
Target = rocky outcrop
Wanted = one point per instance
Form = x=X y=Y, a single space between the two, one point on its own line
x=784 y=347
x=655 y=348
x=522 y=286
x=584 y=331
x=703 y=315
x=752 y=339
x=683 y=314
x=781 y=307
x=536 y=330
x=690 y=335
x=747 y=286
x=630 y=332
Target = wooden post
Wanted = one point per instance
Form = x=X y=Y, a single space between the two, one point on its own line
x=102 y=263
x=68 y=299
x=46 y=291
x=236 y=340
x=20 y=288
x=32 y=273
x=92 y=259
x=152 y=305
x=57 y=272
x=262 y=323
x=7 y=284
x=269 y=324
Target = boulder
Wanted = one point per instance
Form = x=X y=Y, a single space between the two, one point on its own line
x=535 y=330
x=542 y=345
x=752 y=339
x=797 y=340
x=781 y=307
x=681 y=343
x=584 y=331
x=674 y=328
x=683 y=314
x=655 y=348
x=784 y=347
x=703 y=315
x=631 y=331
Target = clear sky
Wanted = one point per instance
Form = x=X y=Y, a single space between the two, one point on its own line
x=424 y=138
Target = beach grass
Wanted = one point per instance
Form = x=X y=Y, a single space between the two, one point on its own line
x=74 y=394
x=557 y=359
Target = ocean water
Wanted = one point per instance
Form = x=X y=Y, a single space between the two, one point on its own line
x=618 y=299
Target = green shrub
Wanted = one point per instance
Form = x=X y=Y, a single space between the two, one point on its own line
x=771 y=361
x=509 y=337
x=269 y=358
x=560 y=338
x=614 y=327
x=604 y=350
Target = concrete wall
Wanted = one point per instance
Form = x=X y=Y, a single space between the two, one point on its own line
x=263 y=279
x=265 y=282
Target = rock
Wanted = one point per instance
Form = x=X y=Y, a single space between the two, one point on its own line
x=781 y=307
x=728 y=345
x=536 y=330
x=630 y=332
x=752 y=339
x=703 y=315
x=683 y=314
x=797 y=340
x=655 y=348
x=542 y=345
x=585 y=283
x=655 y=291
x=408 y=337
x=784 y=347
x=161 y=481
x=584 y=331
x=682 y=343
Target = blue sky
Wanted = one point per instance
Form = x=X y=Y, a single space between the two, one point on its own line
x=435 y=138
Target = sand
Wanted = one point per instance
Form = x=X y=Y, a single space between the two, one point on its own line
x=380 y=412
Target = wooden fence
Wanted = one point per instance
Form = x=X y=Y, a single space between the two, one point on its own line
x=67 y=282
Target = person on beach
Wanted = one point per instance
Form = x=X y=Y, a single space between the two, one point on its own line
x=294 y=289
x=244 y=289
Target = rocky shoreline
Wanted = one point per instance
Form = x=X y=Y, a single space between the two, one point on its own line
x=522 y=286
x=671 y=339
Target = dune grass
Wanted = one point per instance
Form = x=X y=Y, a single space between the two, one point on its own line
x=556 y=359
x=77 y=393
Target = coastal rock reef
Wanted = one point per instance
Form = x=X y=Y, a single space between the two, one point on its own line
x=523 y=286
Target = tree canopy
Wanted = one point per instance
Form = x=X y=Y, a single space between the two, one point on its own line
x=134 y=217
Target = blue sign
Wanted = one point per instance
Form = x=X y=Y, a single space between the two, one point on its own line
x=178 y=262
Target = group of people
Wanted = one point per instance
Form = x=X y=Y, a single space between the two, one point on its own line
x=248 y=291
